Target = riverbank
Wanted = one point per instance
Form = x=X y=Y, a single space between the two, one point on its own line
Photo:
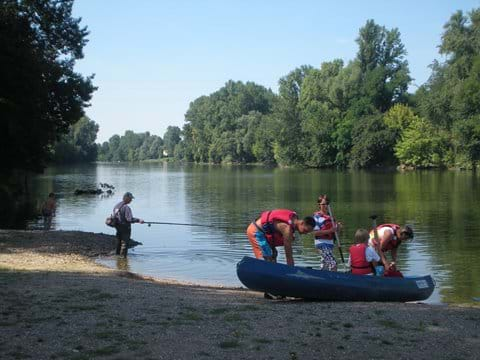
x=57 y=303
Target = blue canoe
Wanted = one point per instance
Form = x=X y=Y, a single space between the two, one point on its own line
x=300 y=282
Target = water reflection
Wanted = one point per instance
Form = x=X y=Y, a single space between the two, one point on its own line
x=441 y=206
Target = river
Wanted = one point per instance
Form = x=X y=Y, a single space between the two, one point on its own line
x=442 y=207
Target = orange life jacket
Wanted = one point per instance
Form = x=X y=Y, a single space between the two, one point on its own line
x=267 y=218
x=358 y=260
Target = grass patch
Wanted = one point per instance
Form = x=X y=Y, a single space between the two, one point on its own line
x=203 y=353
x=391 y=324
x=232 y=317
x=84 y=307
x=8 y=323
x=80 y=357
x=421 y=327
x=192 y=317
x=135 y=344
x=104 y=296
x=104 y=351
x=40 y=319
x=106 y=334
x=263 y=341
x=229 y=344
x=219 y=311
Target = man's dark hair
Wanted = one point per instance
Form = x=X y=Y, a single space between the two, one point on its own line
x=309 y=220
x=51 y=195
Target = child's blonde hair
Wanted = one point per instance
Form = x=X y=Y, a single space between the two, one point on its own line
x=361 y=236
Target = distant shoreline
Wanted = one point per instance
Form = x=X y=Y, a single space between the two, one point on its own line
x=391 y=168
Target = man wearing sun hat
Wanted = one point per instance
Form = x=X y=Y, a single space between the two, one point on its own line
x=124 y=220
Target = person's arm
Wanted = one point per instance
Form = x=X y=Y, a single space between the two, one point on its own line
x=288 y=238
x=129 y=217
x=394 y=255
x=327 y=229
x=384 y=240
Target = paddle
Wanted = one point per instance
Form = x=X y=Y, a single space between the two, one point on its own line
x=375 y=234
x=374 y=225
x=337 y=238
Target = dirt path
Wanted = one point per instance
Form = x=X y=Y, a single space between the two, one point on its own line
x=56 y=303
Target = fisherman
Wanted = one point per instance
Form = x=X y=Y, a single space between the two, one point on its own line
x=363 y=259
x=277 y=228
x=390 y=236
x=123 y=224
x=324 y=233
x=49 y=209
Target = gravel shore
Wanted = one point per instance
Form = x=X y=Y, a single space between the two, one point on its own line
x=57 y=303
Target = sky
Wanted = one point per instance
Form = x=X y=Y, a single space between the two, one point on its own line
x=152 y=58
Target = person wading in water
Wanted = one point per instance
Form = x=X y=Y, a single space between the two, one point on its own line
x=324 y=232
x=49 y=209
x=123 y=224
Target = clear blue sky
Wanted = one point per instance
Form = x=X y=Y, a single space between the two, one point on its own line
x=152 y=58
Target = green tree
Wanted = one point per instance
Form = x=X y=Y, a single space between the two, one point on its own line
x=374 y=142
x=421 y=145
x=41 y=95
x=171 y=138
x=79 y=144
x=288 y=118
x=384 y=68
x=450 y=98
x=216 y=129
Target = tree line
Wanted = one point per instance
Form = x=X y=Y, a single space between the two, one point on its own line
x=356 y=114
x=359 y=114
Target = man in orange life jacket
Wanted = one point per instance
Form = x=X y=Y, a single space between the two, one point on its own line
x=277 y=228
x=363 y=258
x=390 y=236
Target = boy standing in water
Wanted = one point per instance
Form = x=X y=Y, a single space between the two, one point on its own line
x=324 y=232
x=49 y=208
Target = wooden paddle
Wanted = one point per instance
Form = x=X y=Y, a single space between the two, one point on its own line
x=337 y=238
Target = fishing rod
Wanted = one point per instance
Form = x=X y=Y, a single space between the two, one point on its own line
x=150 y=223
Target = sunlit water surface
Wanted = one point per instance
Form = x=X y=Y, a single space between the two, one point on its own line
x=442 y=207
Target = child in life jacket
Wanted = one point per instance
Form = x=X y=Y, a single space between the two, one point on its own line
x=363 y=259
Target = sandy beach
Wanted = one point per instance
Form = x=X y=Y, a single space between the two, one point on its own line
x=57 y=303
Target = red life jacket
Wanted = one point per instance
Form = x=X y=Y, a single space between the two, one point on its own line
x=327 y=224
x=358 y=260
x=395 y=242
x=267 y=218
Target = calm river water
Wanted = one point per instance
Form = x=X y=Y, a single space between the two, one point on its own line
x=443 y=208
